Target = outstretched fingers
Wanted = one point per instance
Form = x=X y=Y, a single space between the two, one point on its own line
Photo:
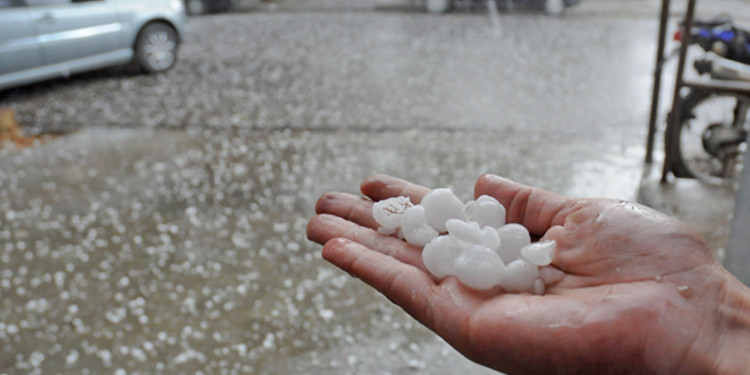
x=342 y=215
x=323 y=228
x=536 y=209
x=347 y=206
x=407 y=286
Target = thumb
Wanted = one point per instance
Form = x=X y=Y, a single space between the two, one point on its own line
x=536 y=209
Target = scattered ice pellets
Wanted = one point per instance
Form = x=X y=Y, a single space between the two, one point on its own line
x=326 y=314
x=479 y=268
x=519 y=276
x=351 y=360
x=486 y=211
x=416 y=230
x=513 y=237
x=72 y=357
x=439 y=256
x=389 y=212
x=540 y=253
x=441 y=205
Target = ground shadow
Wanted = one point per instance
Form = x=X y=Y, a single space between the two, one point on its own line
x=42 y=87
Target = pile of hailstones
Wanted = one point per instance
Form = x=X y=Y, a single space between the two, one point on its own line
x=476 y=244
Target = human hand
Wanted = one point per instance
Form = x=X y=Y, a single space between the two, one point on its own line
x=630 y=290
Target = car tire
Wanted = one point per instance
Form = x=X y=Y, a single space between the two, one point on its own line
x=554 y=7
x=195 y=7
x=438 y=6
x=698 y=114
x=227 y=6
x=156 y=48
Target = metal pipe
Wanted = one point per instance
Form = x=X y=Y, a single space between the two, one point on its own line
x=720 y=85
x=738 y=252
x=673 y=120
x=660 y=59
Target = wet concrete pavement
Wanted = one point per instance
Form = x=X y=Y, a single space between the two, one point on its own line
x=167 y=235
x=365 y=70
x=186 y=251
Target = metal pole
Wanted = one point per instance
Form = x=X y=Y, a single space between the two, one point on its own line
x=674 y=114
x=660 y=60
x=738 y=250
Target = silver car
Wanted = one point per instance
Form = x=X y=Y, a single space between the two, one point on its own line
x=42 y=39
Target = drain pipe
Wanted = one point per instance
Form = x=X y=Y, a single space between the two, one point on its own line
x=660 y=60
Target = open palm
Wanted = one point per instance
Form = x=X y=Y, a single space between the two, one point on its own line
x=629 y=290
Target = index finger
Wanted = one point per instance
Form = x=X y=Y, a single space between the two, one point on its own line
x=379 y=186
x=407 y=286
x=536 y=209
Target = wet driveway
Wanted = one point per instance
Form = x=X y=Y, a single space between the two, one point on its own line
x=167 y=235
x=374 y=70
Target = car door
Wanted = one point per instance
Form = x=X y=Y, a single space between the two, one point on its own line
x=19 y=49
x=75 y=29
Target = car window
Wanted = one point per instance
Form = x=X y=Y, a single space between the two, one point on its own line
x=10 y=3
x=46 y=2
x=55 y=2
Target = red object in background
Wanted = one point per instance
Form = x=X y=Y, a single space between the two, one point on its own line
x=678 y=35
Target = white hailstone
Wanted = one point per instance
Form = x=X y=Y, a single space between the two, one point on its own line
x=441 y=205
x=540 y=253
x=466 y=233
x=416 y=230
x=513 y=237
x=387 y=231
x=479 y=249
x=439 y=256
x=486 y=211
x=519 y=276
x=538 y=287
x=479 y=268
x=489 y=238
x=388 y=212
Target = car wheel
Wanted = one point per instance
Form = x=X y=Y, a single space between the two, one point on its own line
x=554 y=7
x=438 y=6
x=156 y=48
x=224 y=6
x=195 y=7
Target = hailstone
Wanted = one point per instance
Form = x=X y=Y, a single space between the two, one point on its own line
x=479 y=268
x=486 y=211
x=476 y=244
x=441 y=205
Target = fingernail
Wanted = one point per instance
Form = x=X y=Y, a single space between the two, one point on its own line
x=494 y=177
